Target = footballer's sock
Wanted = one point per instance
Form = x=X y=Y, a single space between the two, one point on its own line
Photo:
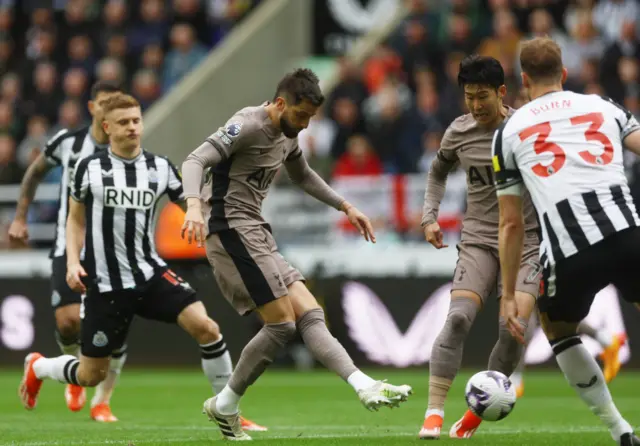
x=326 y=349
x=68 y=345
x=507 y=352
x=216 y=364
x=254 y=360
x=604 y=337
x=63 y=368
x=584 y=375
x=446 y=353
x=104 y=390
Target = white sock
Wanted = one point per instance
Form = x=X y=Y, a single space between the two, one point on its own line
x=584 y=375
x=63 y=368
x=430 y=412
x=104 y=390
x=359 y=381
x=227 y=401
x=604 y=338
x=68 y=347
x=216 y=364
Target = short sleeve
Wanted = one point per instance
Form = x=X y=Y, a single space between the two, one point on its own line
x=231 y=137
x=53 y=148
x=625 y=119
x=80 y=185
x=447 y=151
x=508 y=180
x=174 y=186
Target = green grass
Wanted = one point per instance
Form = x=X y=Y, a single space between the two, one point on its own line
x=164 y=408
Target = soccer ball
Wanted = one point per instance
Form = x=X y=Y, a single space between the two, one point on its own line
x=490 y=395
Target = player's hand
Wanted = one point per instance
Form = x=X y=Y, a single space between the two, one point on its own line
x=193 y=226
x=75 y=273
x=509 y=311
x=18 y=233
x=433 y=234
x=360 y=221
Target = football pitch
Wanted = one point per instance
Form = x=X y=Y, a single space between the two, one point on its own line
x=301 y=408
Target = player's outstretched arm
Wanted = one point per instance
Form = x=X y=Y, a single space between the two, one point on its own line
x=32 y=178
x=308 y=180
x=76 y=231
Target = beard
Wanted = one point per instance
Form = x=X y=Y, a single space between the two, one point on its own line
x=287 y=129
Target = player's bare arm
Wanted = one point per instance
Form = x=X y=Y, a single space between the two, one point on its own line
x=510 y=241
x=205 y=156
x=76 y=230
x=18 y=231
x=308 y=180
x=632 y=142
x=436 y=186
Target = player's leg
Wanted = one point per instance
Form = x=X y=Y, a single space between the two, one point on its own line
x=248 y=277
x=611 y=345
x=562 y=306
x=101 y=401
x=66 y=306
x=507 y=352
x=105 y=325
x=473 y=280
x=311 y=324
x=517 y=377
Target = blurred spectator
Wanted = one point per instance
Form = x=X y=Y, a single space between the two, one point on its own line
x=117 y=47
x=76 y=22
x=384 y=62
x=115 y=16
x=70 y=115
x=609 y=15
x=629 y=72
x=153 y=27
x=41 y=19
x=192 y=13
x=7 y=62
x=359 y=159
x=586 y=45
x=185 y=54
x=109 y=69
x=11 y=90
x=80 y=53
x=224 y=14
x=75 y=84
x=8 y=122
x=626 y=46
x=34 y=141
x=146 y=88
x=44 y=97
x=431 y=145
x=153 y=58
x=505 y=39
x=10 y=173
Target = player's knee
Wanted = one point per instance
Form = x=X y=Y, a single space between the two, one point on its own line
x=67 y=324
x=462 y=313
x=284 y=331
x=309 y=318
x=206 y=331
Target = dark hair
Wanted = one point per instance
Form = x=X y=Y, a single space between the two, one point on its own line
x=105 y=87
x=301 y=84
x=541 y=59
x=480 y=70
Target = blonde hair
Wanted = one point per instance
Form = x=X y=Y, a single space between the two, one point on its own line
x=119 y=101
x=541 y=60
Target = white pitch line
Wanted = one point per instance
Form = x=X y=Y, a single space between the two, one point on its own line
x=368 y=434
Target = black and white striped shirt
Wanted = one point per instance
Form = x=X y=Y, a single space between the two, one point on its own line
x=567 y=149
x=120 y=196
x=64 y=149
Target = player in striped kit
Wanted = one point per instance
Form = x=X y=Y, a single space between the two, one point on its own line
x=64 y=150
x=566 y=150
x=114 y=196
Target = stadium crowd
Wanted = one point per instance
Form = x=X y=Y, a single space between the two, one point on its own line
x=388 y=115
x=49 y=57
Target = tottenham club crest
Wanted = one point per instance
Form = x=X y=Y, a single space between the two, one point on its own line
x=234 y=128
